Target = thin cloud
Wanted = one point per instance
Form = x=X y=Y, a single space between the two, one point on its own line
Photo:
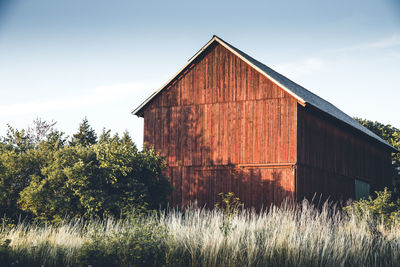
x=95 y=97
x=386 y=43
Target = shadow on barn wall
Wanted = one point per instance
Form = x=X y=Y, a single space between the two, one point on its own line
x=199 y=172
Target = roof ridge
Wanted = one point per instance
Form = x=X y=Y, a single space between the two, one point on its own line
x=313 y=99
x=303 y=95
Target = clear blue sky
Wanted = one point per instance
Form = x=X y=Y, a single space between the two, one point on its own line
x=63 y=60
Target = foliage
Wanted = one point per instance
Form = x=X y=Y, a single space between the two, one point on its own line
x=40 y=130
x=378 y=210
x=85 y=136
x=138 y=243
x=230 y=206
x=391 y=135
x=49 y=179
x=20 y=161
x=5 y=251
x=280 y=236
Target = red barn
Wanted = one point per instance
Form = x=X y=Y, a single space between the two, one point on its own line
x=226 y=122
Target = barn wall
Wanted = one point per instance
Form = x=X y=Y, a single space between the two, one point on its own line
x=224 y=127
x=256 y=187
x=331 y=155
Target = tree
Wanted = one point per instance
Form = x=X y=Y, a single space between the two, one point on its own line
x=17 y=140
x=48 y=178
x=391 y=135
x=22 y=160
x=110 y=177
x=85 y=136
x=40 y=130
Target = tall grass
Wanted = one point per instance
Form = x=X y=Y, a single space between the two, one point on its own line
x=281 y=236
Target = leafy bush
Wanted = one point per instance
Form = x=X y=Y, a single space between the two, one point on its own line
x=50 y=179
x=230 y=207
x=139 y=242
x=378 y=210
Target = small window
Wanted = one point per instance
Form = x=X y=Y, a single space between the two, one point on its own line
x=361 y=189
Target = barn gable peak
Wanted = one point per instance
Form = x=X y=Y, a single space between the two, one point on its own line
x=302 y=95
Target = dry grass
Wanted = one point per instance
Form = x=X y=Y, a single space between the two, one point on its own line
x=285 y=236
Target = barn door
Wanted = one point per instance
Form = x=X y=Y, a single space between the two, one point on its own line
x=361 y=189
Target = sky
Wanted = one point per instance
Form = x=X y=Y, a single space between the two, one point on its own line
x=66 y=60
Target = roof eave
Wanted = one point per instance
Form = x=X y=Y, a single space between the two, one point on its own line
x=137 y=111
x=379 y=141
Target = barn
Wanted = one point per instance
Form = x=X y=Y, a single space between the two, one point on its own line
x=228 y=123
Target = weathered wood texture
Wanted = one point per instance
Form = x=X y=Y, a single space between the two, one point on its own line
x=223 y=126
x=257 y=187
x=331 y=156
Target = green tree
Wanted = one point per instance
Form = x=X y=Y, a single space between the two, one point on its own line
x=21 y=160
x=52 y=194
x=108 y=178
x=17 y=140
x=85 y=136
x=48 y=178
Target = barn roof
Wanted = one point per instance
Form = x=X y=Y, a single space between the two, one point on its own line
x=303 y=96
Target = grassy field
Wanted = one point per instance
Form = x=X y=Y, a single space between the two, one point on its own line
x=281 y=236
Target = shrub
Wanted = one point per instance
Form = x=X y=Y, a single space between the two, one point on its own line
x=138 y=242
x=378 y=210
x=230 y=207
x=49 y=179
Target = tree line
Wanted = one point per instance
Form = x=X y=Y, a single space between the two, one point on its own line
x=47 y=176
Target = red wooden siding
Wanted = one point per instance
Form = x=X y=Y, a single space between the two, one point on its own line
x=331 y=156
x=225 y=127
x=256 y=187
